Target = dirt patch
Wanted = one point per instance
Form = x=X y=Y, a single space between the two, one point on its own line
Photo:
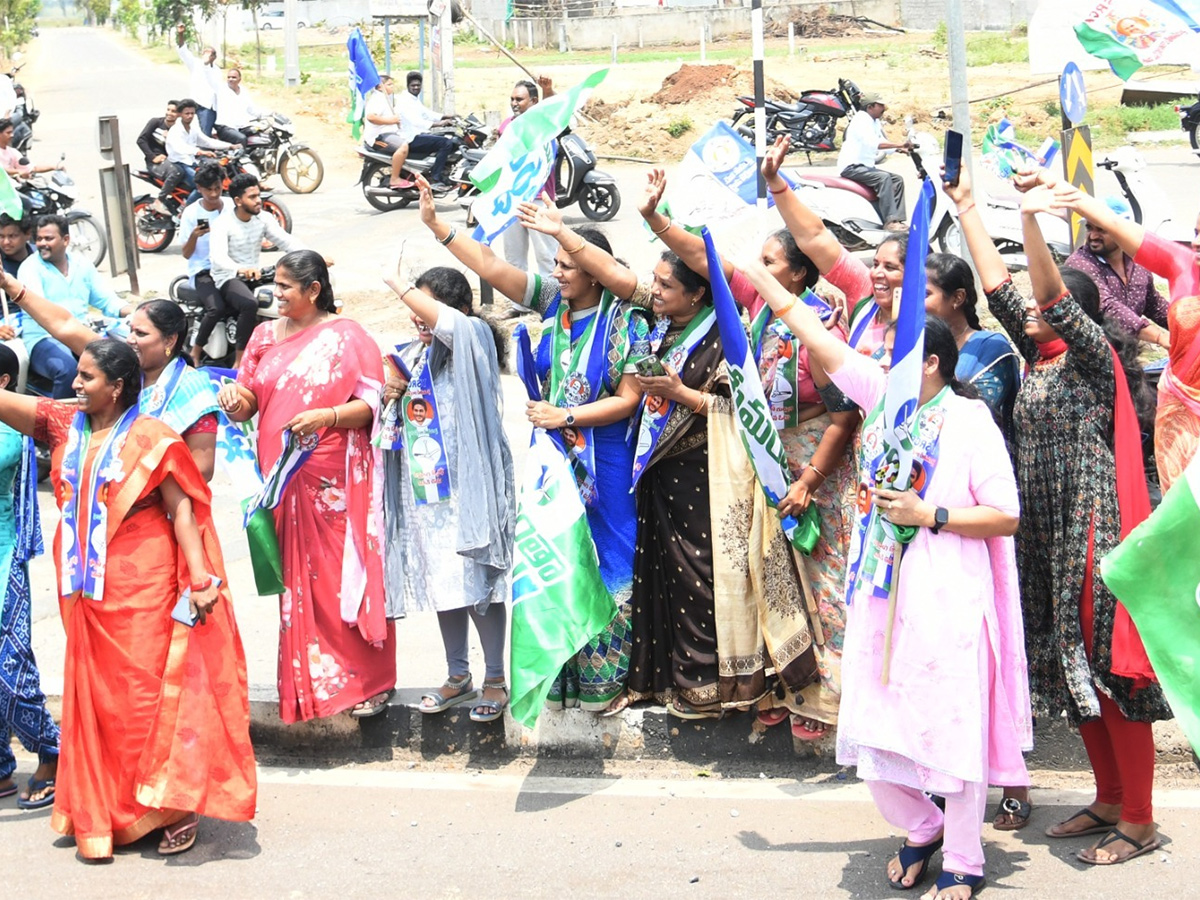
x=820 y=23
x=690 y=81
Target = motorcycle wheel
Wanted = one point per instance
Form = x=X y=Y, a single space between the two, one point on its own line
x=600 y=202
x=87 y=238
x=381 y=177
x=152 y=237
x=1192 y=135
x=302 y=171
x=949 y=238
x=282 y=216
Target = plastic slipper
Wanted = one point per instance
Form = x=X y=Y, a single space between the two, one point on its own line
x=909 y=856
x=1101 y=827
x=373 y=709
x=35 y=785
x=618 y=706
x=681 y=709
x=438 y=703
x=1018 y=810
x=1114 y=835
x=490 y=710
x=952 y=879
x=771 y=717
x=801 y=730
x=184 y=831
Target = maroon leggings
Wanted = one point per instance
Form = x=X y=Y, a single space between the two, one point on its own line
x=1121 y=752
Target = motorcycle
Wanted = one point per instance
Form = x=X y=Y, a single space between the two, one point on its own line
x=577 y=180
x=24 y=115
x=269 y=145
x=221 y=348
x=811 y=122
x=55 y=195
x=1189 y=121
x=376 y=175
x=155 y=231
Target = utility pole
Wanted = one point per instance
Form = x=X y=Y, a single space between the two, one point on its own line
x=291 y=44
x=959 y=101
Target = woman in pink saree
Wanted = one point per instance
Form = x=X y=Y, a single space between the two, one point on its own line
x=315 y=374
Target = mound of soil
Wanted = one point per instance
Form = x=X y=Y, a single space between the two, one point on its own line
x=689 y=82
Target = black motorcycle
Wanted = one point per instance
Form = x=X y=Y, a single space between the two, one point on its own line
x=1189 y=121
x=811 y=122
x=577 y=180
x=221 y=349
x=270 y=146
x=468 y=135
x=24 y=115
x=53 y=193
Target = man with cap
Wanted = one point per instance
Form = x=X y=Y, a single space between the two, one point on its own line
x=1127 y=292
x=860 y=150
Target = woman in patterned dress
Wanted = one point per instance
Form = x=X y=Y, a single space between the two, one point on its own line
x=1077 y=436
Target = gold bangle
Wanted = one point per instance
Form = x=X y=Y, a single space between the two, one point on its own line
x=333 y=409
x=665 y=228
x=703 y=402
x=582 y=243
x=779 y=313
x=818 y=471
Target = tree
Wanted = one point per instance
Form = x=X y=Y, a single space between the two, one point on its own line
x=16 y=23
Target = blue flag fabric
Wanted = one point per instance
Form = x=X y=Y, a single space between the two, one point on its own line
x=363 y=78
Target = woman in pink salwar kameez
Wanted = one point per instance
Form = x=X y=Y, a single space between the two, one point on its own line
x=319 y=374
x=954 y=714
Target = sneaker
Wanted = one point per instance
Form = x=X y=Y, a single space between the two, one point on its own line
x=159 y=207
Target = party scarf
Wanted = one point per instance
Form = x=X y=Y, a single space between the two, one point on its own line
x=424 y=443
x=782 y=364
x=84 y=555
x=654 y=420
x=873 y=542
x=858 y=329
x=296 y=451
x=391 y=435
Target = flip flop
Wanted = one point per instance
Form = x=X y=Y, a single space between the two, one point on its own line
x=681 y=709
x=373 y=709
x=187 y=829
x=1114 y=835
x=803 y=732
x=953 y=879
x=771 y=717
x=1101 y=827
x=35 y=785
x=490 y=710
x=438 y=703
x=1018 y=810
x=8 y=791
x=909 y=856
x=618 y=706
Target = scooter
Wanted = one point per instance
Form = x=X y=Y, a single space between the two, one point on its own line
x=221 y=348
x=270 y=146
x=1150 y=206
x=577 y=180
x=468 y=134
x=811 y=122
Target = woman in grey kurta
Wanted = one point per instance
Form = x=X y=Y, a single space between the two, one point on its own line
x=448 y=491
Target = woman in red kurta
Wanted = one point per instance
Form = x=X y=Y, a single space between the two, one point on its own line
x=156 y=719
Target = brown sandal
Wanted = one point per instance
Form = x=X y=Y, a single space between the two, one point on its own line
x=180 y=837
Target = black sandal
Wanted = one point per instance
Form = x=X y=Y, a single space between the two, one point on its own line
x=909 y=856
x=1101 y=827
x=1018 y=812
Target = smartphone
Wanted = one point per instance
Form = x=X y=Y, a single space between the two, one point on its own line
x=203 y=223
x=954 y=149
x=650 y=367
x=182 y=612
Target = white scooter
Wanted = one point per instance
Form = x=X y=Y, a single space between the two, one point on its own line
x=1150 y=205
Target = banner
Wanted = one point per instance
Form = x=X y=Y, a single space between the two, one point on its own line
x=10 y=200
x=1003 y=156
x=1129 y=34
x=1155 y=573
x=363 y=78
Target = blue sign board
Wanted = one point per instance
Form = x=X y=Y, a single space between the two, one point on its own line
x=1072 y=93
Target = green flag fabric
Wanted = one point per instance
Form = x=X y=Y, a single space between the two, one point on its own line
x=559 y=598
x=1121 y=58
x=1155 y=572
x=10 y=200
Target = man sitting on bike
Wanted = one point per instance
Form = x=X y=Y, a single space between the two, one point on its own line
x=186 y=142
x=856 y=161
x=153 y=144
x=388 y=131
x=196 y=225
x=234 y=249
x=71 y=281
x=235 y=109
x=16 y=165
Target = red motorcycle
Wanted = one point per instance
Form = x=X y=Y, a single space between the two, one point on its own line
x=156 y=230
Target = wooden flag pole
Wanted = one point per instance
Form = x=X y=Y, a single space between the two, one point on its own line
x=891 y=619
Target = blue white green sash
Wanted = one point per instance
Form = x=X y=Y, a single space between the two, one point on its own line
x=84 y=554
x=779 y=370
x=296 y=451
x=424 y=440
x=391 y=435
x=654 y=415
x=874 y=541
x=866 y=311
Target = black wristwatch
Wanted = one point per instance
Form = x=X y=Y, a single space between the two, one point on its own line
x=570 y=416
x=941 y=516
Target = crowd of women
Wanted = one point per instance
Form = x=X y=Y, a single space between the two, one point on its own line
x=392 y=489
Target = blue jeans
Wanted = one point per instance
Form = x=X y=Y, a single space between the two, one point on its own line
x=207 y=119
x=55 y=362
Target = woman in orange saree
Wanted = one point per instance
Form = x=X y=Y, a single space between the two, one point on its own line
x=156 y=720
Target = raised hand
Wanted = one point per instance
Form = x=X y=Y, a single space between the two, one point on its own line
x=393 y=277
x=656 y=185
x=959 y=194
x=429 y=214
x=773 y=160
x=543 y=217
x=1039 y=200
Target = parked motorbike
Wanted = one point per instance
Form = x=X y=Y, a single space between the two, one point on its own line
x=577 y=180
x=221 y=348
x=53 y=193
x=811 y=122
x=270 y=146
x=1189 y=121
x=376 y=175
x=155 y=231
x=24 y=114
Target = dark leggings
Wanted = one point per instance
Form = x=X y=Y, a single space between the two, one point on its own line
x=213 y=303
x=240 y=299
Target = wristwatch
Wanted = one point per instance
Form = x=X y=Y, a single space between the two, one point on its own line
x=570 y=416
x=941 y=516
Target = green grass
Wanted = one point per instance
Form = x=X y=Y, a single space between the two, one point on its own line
x=989 y=49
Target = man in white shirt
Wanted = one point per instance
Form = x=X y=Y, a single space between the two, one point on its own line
x=206 y=78
x=856 y=161
x=235 y=109
x=385 y=133
x=196 y=226
x=186 y=142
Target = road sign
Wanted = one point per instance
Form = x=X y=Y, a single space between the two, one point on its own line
x=1072 y=94
x=1077 y=165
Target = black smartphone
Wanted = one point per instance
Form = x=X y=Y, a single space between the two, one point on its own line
x=202 y=224
x=954 y=148
x=650 y=367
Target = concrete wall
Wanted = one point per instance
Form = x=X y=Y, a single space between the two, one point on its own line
x=978 y=15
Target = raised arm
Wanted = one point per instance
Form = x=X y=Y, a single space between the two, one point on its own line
x=499 y=273
x=545 y=218
x=1043 y=272
x=806 y=226
x=18 y=411
x=1127 y=235
x=988 y=262
x=687 y=246
x=826 y=349
x=426 y=308
x=58 y=322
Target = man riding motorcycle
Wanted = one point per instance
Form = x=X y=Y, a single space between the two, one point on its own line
x=196 y=225
x=153 y=144
x=394 y=131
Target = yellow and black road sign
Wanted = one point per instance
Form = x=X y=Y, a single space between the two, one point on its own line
x=1079 y=170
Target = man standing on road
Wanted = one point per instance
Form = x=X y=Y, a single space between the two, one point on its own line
x=186 y=142
x=1127 y=292
x=235 y=109
x=388 y=131
x=196 y=225
x=72 y=282
x=516 y=239
x=153 y=144
x=206 y=79
x=856 y=161
x=234 y=249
